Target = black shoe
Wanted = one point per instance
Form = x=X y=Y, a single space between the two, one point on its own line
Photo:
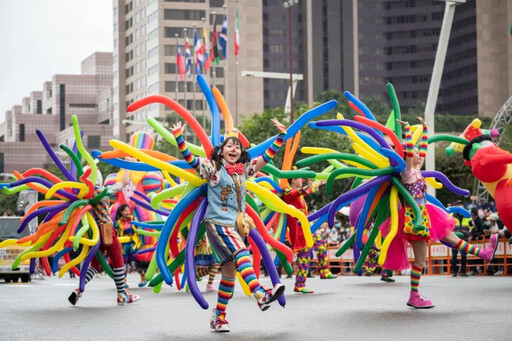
x=455 y=275
x=387 y=279
x=464 y=275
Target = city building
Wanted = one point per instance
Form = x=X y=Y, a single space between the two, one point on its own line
x=88 y=95
x=145 y=38
x=361 y=45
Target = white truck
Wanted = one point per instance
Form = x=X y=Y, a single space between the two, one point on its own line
x=8 y=230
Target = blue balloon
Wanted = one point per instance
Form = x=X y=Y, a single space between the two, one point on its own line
x=214 y=109
x=167 y=229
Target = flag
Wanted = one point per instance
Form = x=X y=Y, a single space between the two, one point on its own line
x=224 y=37
x=214 y=55
x=206 y=50
x=198 y=49
x=188 y=59
x=179 y=62
x=237 y=35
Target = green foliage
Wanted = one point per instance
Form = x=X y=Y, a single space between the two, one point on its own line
x=259 y=128
x=455 y=169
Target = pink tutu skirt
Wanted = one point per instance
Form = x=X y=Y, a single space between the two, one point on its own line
x=441 y=224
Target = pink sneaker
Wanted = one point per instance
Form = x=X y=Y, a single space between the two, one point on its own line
x=418 y=301
x=210 y=287
x=488 y=253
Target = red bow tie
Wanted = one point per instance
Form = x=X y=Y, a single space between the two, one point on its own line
x=238 y=168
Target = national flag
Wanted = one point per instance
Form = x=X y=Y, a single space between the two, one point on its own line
x=237 y=35
x=179 y=62
x=224 y=37
x=206 y=49
x=198 y=48
x=188 y=59
x=214 y=55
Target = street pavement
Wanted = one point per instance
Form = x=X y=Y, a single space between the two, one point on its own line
x=347 y=308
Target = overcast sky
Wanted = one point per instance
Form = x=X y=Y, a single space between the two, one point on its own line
x=41 y=38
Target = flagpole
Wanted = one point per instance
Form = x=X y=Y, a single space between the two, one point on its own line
x=204 y=64
x=194 y=87
x=214 y=74
x=185 y=34
x=236 y=73
x=177 y=66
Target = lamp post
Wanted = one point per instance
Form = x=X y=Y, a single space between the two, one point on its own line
x=288 y=5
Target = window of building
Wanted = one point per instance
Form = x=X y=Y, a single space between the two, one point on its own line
x=153 y=16
x=170 y=32
x=152 y=70
x=93 y=141
x=183 y=14
x=39 y=109
x=153 y=52
x=216 y=3
x=170 y=68
x=153 y=34
x=22 y=132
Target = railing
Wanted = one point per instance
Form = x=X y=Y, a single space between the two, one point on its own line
x=438 y=258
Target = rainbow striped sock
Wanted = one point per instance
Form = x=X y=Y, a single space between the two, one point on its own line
x=465 y=247
x=212 y=271
x=415 y=277
x=244 y=266
x=274 y=148
x=226 y=289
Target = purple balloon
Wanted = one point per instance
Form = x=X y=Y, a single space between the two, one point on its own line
x=355 y=208
x=85 y=265
x=54 y=157
x=190 y=267
x=358 y=125
x=41 y=211
x=353 y=194
x=449 y=185
x=32 y=267
x=269 y=264
x=43 y=182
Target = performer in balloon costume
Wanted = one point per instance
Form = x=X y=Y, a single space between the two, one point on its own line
x=226 y=172
x=294 y=195
x=124 y=228
x=437 y=225
x=490 y=164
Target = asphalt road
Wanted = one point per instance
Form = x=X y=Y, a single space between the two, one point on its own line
x=348 y=308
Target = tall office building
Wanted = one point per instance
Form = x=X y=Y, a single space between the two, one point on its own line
x=145 y=37
x=87 y=95
x=361 y=45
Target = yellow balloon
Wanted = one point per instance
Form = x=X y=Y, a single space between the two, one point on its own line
x=382 y=160
x=50 y=251
x=434 y=183
x=95 y=232
x=67 y=184
x=244 y=285
x=152 y=161
x=75 y=261
x=276 y=204
x=393 y=205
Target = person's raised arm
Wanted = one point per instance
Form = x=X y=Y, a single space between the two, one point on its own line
x=409 y=146
x=269 y=154
x=177 y=131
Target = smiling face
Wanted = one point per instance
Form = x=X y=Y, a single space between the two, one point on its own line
x=417 y=159
x=231 y=151
x=126 y=212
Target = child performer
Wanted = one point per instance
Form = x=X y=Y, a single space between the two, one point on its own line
x=226 y=171
x=123 y=226
x=114 y=251
x=294 y=195
x=438 y=224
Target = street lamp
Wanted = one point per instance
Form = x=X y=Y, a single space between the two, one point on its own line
x=288 y=4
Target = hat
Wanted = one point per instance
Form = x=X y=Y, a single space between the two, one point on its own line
x=232 y=133
x=494 y=216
